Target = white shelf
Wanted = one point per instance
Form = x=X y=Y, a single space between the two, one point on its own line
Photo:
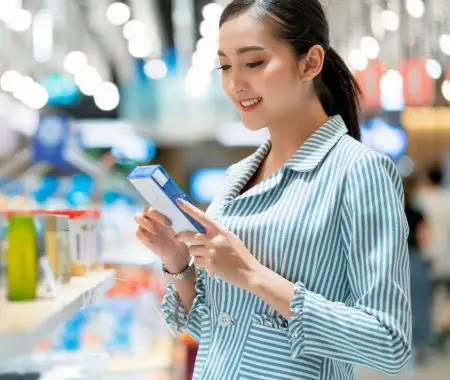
x=134 y=254
x=23 y=324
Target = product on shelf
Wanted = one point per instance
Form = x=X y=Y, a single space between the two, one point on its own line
x=84 y=230
x=22 y=260
x=97 y=243
x=53 y=243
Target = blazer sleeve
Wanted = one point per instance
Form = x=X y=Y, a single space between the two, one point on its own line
x=374 y=328
x=173 y=310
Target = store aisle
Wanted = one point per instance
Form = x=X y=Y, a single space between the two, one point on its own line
x=438 y=368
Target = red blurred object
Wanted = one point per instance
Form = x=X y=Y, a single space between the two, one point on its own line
x=369 y=82
x=418 y=86
x=132 y=280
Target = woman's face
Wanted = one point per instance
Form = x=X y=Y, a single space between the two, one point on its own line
x=260 y=74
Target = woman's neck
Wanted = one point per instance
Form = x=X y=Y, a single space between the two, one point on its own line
x=290 y=134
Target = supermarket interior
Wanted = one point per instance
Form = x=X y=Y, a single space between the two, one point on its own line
x=91 y=89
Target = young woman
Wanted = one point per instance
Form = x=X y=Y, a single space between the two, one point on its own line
x=303 y=269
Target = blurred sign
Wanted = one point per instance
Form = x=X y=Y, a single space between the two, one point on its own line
x=205 y=183
x=50 y=140
x=61 y=89
x=369 y=82
x=384 y=137
x=432 y=118
x=418 y=86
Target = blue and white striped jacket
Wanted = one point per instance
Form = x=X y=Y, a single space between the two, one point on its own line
x=332 y=221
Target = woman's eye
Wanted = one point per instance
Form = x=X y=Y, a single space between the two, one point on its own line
x=224 y=67
x=252 y=65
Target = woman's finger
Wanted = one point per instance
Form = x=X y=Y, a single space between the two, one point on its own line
x=198 y=251
x=210 y=225
x=144 y=236
x=156 y=216
x=193 y=238
x=146 y=224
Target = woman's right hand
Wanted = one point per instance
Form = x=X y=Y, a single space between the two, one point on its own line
x=155 y=232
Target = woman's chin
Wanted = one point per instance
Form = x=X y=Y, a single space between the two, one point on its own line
x=253 y=125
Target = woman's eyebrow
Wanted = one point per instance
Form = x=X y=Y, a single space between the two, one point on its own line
x=242 y=50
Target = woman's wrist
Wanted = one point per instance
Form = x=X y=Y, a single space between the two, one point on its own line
x=176 y=266
x=253 y=278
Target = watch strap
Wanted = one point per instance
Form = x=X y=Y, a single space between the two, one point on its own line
x=181 y=275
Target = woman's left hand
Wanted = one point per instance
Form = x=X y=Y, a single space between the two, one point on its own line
x=218 y=250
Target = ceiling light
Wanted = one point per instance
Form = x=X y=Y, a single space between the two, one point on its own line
x=416 y=8
x=212 y=11
x=444 y=43
x=23 y=87
x=37 y=96
x=139 y=48
x=358 y=60
x=370 y=47
x=391 y=86
x=391 y=80
x=134 y=29
x=88 y=80
x=9 y=79
x=107 y=96
x=446 y=89
x=19 y=20
x=209 y=29
x=390 y=20
x=155 y=69
x=75 y=61
x=8 y=7
x=434 y=68
x=118 y=13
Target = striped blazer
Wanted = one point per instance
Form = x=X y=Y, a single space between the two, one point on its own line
x=331 y=221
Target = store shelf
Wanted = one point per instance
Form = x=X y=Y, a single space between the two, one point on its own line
x=23 y=324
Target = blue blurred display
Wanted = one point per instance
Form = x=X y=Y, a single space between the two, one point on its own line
x=387 y=138
x=81 y=190
x=134 y=149
x=62 y=90
x=48 y=186
x=205 y=183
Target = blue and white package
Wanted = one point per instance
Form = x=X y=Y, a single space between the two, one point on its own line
x=162 y=192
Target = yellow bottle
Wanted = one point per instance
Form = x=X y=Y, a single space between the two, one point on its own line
x=22 y=262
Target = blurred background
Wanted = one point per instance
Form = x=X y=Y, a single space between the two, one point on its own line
x=91 y=88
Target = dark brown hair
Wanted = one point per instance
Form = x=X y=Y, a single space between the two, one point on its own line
x=303 y=24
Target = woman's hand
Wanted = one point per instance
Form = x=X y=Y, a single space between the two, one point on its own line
x=155 y=232
x=218 y=250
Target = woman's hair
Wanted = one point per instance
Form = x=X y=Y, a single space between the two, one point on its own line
x=303 y=24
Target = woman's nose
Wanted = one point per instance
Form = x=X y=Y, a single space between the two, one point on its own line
x=238 y=85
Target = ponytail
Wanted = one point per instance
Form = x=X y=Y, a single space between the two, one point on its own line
x=339 y=92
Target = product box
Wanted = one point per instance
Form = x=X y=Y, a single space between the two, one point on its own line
x=162 y=192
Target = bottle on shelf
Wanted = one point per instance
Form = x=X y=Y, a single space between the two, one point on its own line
x=22 y=258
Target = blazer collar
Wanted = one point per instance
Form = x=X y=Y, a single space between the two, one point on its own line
x=305 y=159
x=318 y=145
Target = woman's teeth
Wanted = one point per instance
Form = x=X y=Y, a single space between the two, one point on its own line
x=250 y=102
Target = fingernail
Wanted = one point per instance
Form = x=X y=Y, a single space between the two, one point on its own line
x=181 y=201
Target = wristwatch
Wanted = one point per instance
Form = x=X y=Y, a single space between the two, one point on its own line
x=181 y=275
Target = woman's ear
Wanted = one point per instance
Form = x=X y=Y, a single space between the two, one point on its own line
x=311 y=65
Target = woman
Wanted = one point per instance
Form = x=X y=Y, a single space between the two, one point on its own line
x=303 y=269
